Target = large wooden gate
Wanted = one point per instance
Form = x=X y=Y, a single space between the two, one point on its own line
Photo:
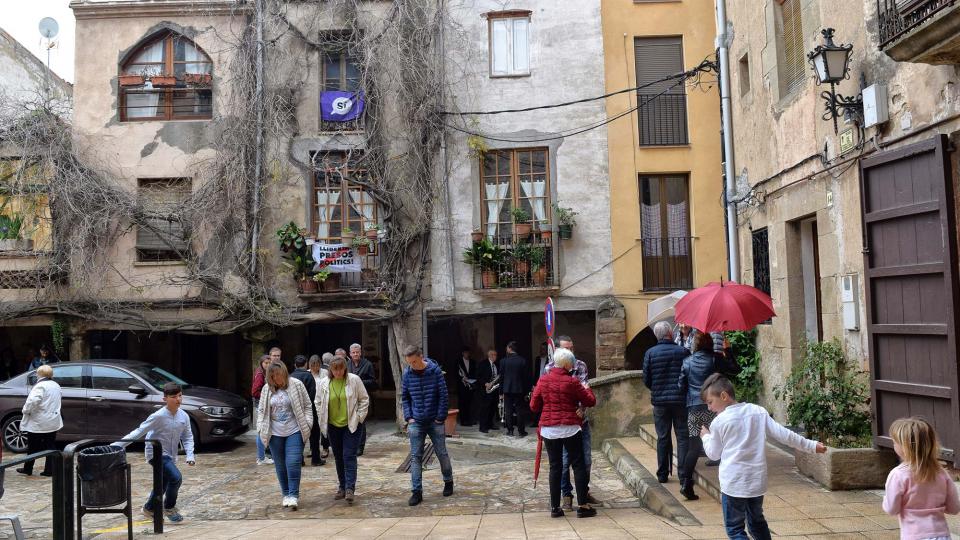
x=910 y=268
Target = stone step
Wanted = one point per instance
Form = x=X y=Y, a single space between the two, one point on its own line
x=706 y=478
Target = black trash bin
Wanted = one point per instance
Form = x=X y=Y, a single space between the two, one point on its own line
x=103 y=476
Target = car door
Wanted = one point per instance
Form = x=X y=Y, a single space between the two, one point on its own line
x=112 y=410
x=73 y=401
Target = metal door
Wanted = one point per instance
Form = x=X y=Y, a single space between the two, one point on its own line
x=910 y=266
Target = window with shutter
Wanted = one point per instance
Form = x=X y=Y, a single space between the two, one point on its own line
x=662 y=105
x=162 y=236
x=791 y=56
x=665 y=232
x=509 y=43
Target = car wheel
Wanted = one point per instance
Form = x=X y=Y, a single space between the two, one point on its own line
x=14 y=439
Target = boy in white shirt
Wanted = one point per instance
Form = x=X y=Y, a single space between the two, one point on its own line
x=738 y=438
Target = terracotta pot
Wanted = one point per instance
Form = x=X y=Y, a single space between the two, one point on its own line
x=521 y=268
x=160 y=81
x=540 y=276
x=546 y=236
x=347 y=237
x=522 y=230
x=131 y=80
x=308 y=286
x=197 y=78
x=476 y=237
x=331 y=284
x=371 y=235
x=450 y=424
x=566 y=232
x=489 y=279
x=363 y=249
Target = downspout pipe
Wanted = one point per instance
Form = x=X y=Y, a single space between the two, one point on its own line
x=726 y=122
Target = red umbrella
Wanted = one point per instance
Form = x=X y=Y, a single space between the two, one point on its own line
x=719 y=307
x=536 y=464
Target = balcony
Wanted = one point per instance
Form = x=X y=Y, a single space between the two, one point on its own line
x=351 y=287
x=667 y=263
x=353 y=126
x=663 y=119
x=524 y=269
x=920 y=31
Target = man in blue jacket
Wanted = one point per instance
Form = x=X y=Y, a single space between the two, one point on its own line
x=661 y=371
x=424 y=399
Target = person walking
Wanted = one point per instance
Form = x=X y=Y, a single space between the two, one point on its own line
x=559 y=397
x=466 y=386
x=284 y=420
x=363 y=368
x=41 y=419
x=171 y=426
x=259 y=379
x=342 y=404
x=919 y=491
x=488 y=396
x=302 y=374
x=738 y=438
x=661 y=371
x=317 y=439
x=516 y=384
x=424 y=400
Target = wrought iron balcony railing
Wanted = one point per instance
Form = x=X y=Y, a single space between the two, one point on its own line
x=667 y=263
x=897 y=17
x=523 y=265
x=663 y=119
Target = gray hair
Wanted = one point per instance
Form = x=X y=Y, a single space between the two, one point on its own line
x=663 y=330
x=327 y=358
x=356 y=346
x=563 y=358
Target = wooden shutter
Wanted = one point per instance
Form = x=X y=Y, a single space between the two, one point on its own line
x=662 y=105
x=792 y=64
x=162 y=197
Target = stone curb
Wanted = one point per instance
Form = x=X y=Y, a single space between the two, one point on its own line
x=706 y=483
x=644 y=485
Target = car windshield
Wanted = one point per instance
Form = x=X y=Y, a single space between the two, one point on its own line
x=157 y=377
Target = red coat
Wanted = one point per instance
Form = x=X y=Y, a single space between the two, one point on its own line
x=258 y=382
x=558 y=395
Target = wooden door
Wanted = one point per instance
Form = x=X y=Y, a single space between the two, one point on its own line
x=910 y=271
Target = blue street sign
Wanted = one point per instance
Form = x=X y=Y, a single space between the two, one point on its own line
x=548 y=317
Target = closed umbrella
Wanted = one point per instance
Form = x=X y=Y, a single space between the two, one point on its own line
x=724 y=306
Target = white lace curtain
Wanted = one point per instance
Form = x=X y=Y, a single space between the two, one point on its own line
x=144 y=103
x=362 y=203
x=535 y=189
x=193 y=54
x=326 y=201
x=496 y=195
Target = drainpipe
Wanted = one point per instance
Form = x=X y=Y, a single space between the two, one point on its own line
x=730 y=179
x=258 y=144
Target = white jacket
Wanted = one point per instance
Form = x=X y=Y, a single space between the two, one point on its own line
x=299 y=403
x=41 y=412
x=358 y=403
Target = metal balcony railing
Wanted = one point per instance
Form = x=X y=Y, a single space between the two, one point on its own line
x=897 y=17
x=353 y=126
x=667 y=263
x=522 y=266
x=662 y=119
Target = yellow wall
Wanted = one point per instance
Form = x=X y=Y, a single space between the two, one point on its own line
x=623 y=20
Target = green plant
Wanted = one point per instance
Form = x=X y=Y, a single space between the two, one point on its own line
x=478 y=146
x=827 y=397
x=520 y=215
x=484 y=254
x=10 y=226
x=360 y=241
x=371 y=226
x=58 y=331
x=521 y=252
x=538 y=257
x=321 y=276
x=565 y=215
x=748 y=382
x=293 y=244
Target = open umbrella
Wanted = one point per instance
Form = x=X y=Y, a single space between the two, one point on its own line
x=661 y=309
x=724 y=306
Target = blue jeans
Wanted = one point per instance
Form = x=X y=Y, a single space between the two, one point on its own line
x=344 y=446
x=261 y=451
x=418 y=435
x=565 y=486
x=287 y=457
x=172 y=479
x=737 y=510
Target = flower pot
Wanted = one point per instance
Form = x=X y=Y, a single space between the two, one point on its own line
x=546 y=236
x=450 y=424
x=476 y=237
x=203 y=79
x=307 y=286
x=489 y=279
x=346 y=237
x=540 y=276
x=371 y=234
x=363 y=249
x=566 y=232
x=521 y=268
x=161 y=81
x=331 y=284
x=131 y=80
x=522 y=230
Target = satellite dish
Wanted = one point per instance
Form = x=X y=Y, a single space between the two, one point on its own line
x=49 y=27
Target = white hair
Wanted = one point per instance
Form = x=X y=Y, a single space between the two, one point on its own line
x=663 y=330
x=356 y=346
x=563 y=358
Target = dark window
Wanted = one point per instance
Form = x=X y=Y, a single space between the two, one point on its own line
x=166 y=79
x=744 y=74
x=665 y=230
x=662 y=105
x=514 y=179
x=68 y=376
x=162 y=236
x=761 y=260
x=791 y=53
x=339 y=201
x=108 y=378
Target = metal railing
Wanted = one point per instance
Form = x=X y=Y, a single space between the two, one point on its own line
x=523 y=265
x=62 y=501
x=667 y=263
x=897 y=17
x=352 y=126
x=662 y=119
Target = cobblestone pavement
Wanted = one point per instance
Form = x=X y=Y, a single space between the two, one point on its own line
x=493 y=475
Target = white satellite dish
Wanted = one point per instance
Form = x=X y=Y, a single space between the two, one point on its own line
x=49 y=27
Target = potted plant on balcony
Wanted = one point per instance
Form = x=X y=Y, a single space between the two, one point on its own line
x=521 y=223
x=566 y=221
x=11 y=228
x=521 y=259
x=347 y=235
x=488 y=257
x=163 y=81
x=362 y=245
x=327 y=280
x=476 y=235
x=299 y=260
x=131 y=80
x=546 y=235
x=538 y=262
x=372 y=231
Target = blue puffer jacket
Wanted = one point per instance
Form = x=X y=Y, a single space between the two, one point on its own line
x=661 y=371
x=697 y=367
x=424 y=397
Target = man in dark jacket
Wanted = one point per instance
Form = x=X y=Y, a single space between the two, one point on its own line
x=424 y=399
x=302 y=374
x=516 y=376
x=466 y=370
x=488 y=397
x=363 y=368
x=661 y=371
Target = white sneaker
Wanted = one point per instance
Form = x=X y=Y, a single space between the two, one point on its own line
x=286 y=501
x=265 y=461
x=294 y=502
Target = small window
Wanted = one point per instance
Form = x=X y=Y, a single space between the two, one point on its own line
x=509 y=43
x=665 y=232
x=761 y=260
x=791 y=53
x=662 y=104
x=108 y=378
x=514 y=179
x=339 y=201
x=68 y=376
x=162 y=236
x=167 y=79
x=340 y=72
x=743 y=72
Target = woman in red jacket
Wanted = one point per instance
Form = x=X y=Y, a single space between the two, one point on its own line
x=557 y=397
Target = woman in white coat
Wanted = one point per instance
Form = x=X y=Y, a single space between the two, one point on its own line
x=284 y=419
x=41 y=419
x=342 y=405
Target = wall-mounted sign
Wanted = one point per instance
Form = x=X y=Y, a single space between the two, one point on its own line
x=337 y=258
x=846 y=141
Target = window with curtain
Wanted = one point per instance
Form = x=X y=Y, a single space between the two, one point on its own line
x=168 y=78
x=662 y=115
x=338 y=200
x=162 y=237
x=509 y=43
x=791 y=53
x=665 y=232
x=514 y=179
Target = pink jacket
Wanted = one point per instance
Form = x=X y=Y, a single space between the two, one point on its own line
x=921 y=507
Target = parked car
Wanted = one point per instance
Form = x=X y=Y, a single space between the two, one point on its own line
x=110 y=398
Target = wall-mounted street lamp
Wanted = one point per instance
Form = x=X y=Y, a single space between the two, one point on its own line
x=832 y=65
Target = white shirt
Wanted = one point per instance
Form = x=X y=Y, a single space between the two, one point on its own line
x=738 y=438
x=282 y=421
x=559 y=432
x=41 y=411
x=169 y=428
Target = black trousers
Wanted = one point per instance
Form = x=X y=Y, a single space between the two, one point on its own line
x=465 y=404
x=488 y=409
x=581 y=478
x=665 y=417
x=38 y=442
x=315 y=438
x=514 y=412
x=689 y=463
